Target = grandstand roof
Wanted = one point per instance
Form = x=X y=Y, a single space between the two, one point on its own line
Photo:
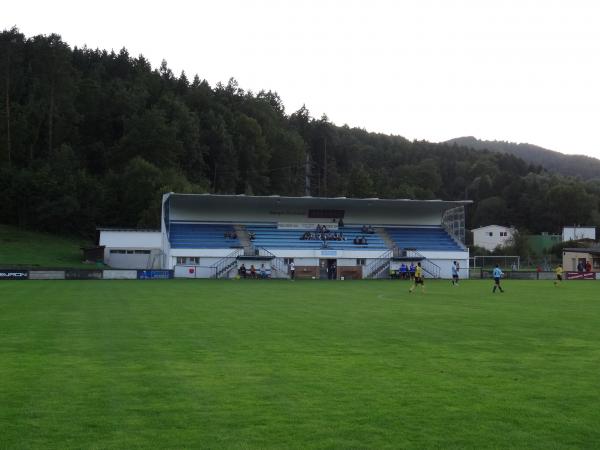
x=277 y=208
x=312 y=201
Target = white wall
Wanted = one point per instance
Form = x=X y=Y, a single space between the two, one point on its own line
x=133 y=261
x=444 y=260
x=347 y=262
x=119 y=274
x=575 y=233
x=327 y=254
x=446 y=267
x=207 y=252
x=193 y=271
x=131 y=239
x=481 y=237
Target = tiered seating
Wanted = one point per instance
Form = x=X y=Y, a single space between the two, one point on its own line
x=425 y=238
x=269 y=236
x=195 y=235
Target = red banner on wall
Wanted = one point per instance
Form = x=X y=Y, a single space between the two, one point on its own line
x=581 y=275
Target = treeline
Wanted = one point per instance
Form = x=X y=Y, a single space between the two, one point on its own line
x=581 y=166
x=90 y=137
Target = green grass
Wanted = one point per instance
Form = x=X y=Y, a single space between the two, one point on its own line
x=34 y=249
x=251 y=364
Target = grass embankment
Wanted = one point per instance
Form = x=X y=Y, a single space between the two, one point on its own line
x=31 y=249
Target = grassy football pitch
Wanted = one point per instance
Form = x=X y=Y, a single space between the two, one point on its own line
x=278 y=364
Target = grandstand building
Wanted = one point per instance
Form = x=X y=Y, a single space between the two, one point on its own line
x=211 y=236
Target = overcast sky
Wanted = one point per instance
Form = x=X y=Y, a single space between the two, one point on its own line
x=517 y=70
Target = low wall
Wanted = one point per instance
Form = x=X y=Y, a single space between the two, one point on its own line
x=350 y=273
x=307 y=272
x=14 y=274
x=154 y=274
x=483 y=274
x=47 y=275
x=83 y=274
x=194 y=271
x=113 y=274
x=581 y=276
x=202 y=272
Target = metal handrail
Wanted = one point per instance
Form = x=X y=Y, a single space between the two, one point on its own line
x=428 y=266
x=226 y=262
x=276 y=262
x=376 y=267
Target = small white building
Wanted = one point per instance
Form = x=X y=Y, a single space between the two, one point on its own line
x=492 y=236
x=131 y=249
x=576 y=233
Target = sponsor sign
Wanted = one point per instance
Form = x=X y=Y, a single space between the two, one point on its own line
x=306 y=226
x=154 y=274
x=6 y=274
x=581 y=275
x=74 y=274
x=115 y=274
x=46 y=274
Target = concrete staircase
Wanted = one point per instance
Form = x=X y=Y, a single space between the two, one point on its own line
x=242 y=235
x=385 y=236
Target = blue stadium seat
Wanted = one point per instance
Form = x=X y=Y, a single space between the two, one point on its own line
x=423 y=238
x=269 y=236
x=195 y=235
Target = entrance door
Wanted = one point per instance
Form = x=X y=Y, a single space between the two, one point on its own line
x=328 y=269
x=323 y=269
x=332 y=267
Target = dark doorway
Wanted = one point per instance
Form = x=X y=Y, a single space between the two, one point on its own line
x=328 y=269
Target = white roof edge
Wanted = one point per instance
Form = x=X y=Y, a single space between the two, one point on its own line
x=492 y=225
x=128 y=230
x=205 y=194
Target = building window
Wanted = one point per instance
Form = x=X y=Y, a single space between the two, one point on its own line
x=503 y=233
x=286 y=261
x=361 y=261
x=596 y=263
x=490 y=233
x=120 y=252
x=142 y=252
x=188 y=260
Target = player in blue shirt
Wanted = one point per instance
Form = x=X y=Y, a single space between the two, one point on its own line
x=497 y=274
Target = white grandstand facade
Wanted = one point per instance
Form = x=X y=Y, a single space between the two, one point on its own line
x=211 y=236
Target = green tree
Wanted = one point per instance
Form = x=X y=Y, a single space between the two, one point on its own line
x=360 y=184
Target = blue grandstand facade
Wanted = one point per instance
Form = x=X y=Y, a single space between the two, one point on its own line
x=222 y=236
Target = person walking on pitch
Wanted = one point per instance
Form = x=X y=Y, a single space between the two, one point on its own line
x=497 y=274
x=454 y=273
x=418 y=279
x=559 y=272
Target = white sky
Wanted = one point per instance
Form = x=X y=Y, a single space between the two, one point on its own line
x=517 y=70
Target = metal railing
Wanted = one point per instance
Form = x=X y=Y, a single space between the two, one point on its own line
x=224 y=265
x=428 y=266
x=276 y=262
x=453 y=222
x=379 y=267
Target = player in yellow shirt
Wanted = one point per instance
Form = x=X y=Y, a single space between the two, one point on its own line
x=418 y=279
x=559 y=272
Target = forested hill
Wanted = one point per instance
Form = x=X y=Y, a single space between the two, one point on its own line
x=94 y=137
x=570 y=165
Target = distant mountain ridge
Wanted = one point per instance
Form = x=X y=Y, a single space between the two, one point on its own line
x=582 y=166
